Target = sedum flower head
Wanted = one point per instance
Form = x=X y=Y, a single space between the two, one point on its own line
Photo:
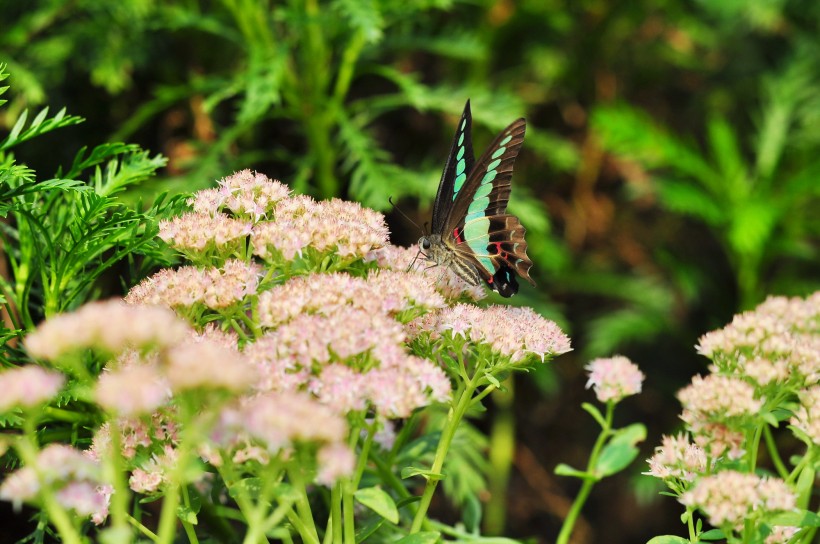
x=717 y=397
x=807 y=416
x=28 y=386
x=245 y=194
x=677 y=458
x=111 y=326
x=387 y=293
x=74 y=477
x=216 y=288
x=511 y=332
x=203 y=233
x=731 y=497
x=131 y=390
x=614 y=378
x=779 y=341
x=206 y=364
x=334 y=461
x=346 y=228
x=282 y=419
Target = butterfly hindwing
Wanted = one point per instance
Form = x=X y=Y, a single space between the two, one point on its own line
x=459 y=164
x=496 y=247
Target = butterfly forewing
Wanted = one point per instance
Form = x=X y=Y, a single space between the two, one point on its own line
x=459 y=164
x=479 y=229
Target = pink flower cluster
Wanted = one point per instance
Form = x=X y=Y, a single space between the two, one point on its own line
x=348 y=358
x=202 y=233
x=517 y=333
x=807 y=416
x=730 y=497
x=385 y=292
x=279 y=421
x=245 y=194
x=716 y=397
x=28 y=386
x=445 y=280
x=110 y=326
x=73 y=478
x=216 y=288
x=677 y=458
x=614 y=378
x=346 y=228
x=778 y=341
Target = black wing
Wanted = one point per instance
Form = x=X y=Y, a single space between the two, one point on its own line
x=487 y=189
x=458 y=167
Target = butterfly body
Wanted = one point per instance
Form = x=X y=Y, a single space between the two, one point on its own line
x=472 y=233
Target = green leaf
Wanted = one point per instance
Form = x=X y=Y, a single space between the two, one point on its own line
x=727 y=155
x=687 y=198
x=800 y=518
x=379 y=501
x=423 y=537
x=620 y=451
x=752 y=225
x=410 y=472
x=592 y=410
x=563 y=469
x=492 y=379
x=668 y=539
x=711 y=534
x=186 y=514
x=40 y=125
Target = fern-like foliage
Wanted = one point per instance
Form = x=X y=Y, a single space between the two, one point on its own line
x=65 y=232
x=752 y=192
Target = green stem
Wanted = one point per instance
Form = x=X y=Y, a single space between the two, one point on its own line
x=115 y=473
x=591 y=480
x=142 y=528
x=335 y=529
x=308 y=533
x=502 y=449
x=771 y=446
x=57 y=515
x=189 y=529
x=454 y=417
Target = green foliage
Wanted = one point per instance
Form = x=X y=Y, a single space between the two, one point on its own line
x=757 y=203
x=65 y=232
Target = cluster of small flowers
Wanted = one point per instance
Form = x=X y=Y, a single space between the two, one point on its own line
x=677 y=459
x=28 y=386
x=348 y=358
x=386 y=292
x=778 y=341
x=74 y=478
x=244 y=193
x=717 y=397
x=443 y=278
x=614 y=378
x=278 y=420
x=110 y=326
x=202 y=233
x=300 y=222
x=807 y=417
x=216 y=288
x=512 y=332
x=730 y=497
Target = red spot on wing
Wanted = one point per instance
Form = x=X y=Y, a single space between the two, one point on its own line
x=457 y=236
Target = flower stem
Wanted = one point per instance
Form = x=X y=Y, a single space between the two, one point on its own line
x=454 y=417
x=591 y=480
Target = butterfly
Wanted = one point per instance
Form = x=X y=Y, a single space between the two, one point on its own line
x=472 y=233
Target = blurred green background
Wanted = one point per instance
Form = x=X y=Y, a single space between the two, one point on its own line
x=670 y=176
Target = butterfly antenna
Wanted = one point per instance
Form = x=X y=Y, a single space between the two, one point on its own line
x=390 y=200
